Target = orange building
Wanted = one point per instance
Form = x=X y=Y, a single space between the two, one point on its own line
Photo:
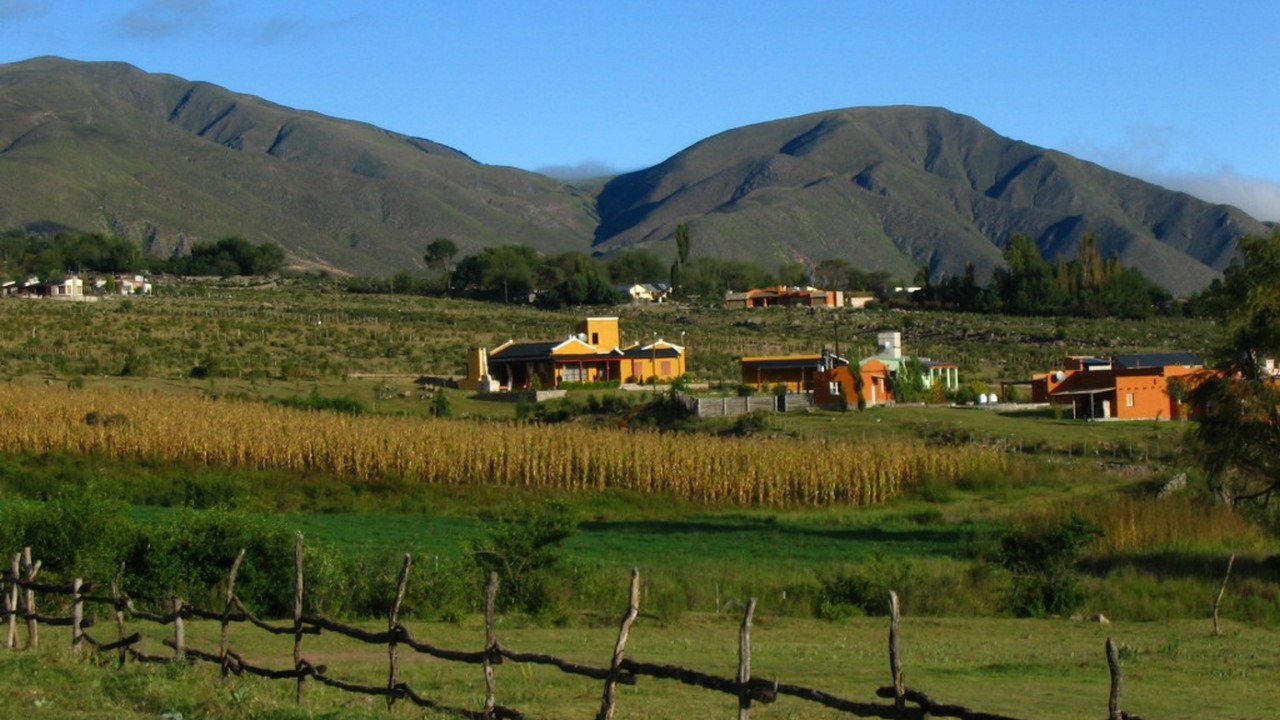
x=838 y=386
x=781 y=295
x=1124 y=387
x=591 y=354
x=828 y=377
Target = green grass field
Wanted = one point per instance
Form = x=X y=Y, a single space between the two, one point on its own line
x=1035 y=669
x=1154 y=572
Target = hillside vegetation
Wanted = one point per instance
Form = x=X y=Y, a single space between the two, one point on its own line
x=165 y=162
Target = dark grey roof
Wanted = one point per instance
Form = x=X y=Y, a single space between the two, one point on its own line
x=525 y=351
x=1134 y=361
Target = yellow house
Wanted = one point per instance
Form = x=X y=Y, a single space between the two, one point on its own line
x=591 y=354
x=795 y=372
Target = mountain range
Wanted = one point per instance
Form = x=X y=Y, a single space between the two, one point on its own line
x=108 y=148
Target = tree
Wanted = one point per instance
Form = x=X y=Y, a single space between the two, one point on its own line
x=683 y=243
x=635 y=266
x=833 y=274
x=439 y=254
x=509 y=267
x=1238 y=436
x=791 y=273
x=1028 y=284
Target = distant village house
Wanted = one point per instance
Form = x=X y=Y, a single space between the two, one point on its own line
x=834 y=381
x=593 y=353
x=783 y=296
x=1123 y=387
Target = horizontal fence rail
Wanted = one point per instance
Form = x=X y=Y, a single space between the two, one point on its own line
x=20 y=586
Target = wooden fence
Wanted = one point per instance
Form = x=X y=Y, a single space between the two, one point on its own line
x=21 y=586
x=744 y=405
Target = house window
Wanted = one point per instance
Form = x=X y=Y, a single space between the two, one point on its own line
x=595 y=338
x=1128 y=399
x=666 y=368
x=571 y=373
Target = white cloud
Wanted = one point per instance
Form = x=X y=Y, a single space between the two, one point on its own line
x=1260 y=198
x=1148 y=152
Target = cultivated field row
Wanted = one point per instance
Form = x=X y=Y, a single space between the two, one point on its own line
x=123 y=424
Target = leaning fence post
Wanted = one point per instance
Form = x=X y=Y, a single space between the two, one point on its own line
x=11 y=601
x=29 y=572
x=895 y=659
x=615 y=667
x=77 y=616
x=393 y=626
x=1217 y=603
x=297 y=614
x=1113 y=702
x=118 y=605
x=744 y=662
x=229 y=597
x=179 y=632
x=490 y=645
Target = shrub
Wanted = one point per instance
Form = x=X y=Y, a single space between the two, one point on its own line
x=1042 y=557
x=315 y=401
x=524 y=548
x=76 y=531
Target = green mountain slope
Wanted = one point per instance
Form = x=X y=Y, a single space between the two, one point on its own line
x=105 y=147
x=903 y=187
x=108 y=148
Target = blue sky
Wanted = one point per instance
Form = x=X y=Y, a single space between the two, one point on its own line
x=1186 y=94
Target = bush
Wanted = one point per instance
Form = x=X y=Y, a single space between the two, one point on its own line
x=78 y=531
x=1042 y=558
x=315 y=401
x=524 y=548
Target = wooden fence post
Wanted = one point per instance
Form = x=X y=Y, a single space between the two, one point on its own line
x=490 y=645
x=118 y=605
x=744 y=661
x=179 y=632
x=29 y=572
x=1217 y=603
x=895 y=659
x=393 y=626
x=228 y=598
x=77 y=616
x=297 y=614
x=615 y=667
x=11 y=601
x=1113 y=702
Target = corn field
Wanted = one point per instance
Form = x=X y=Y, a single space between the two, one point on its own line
x=125 y=424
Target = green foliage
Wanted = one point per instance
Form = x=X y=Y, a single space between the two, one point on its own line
x=1238 y=436
x=635 y=266
x=1087 y=286
x=190 y=558
x=315 y=401
x=50 y=258
x=577 y=279
x=525 y=548
x=440 y=253
x=1042 y=557
x=73 y=530
x=440 y=405
x=229 y=256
